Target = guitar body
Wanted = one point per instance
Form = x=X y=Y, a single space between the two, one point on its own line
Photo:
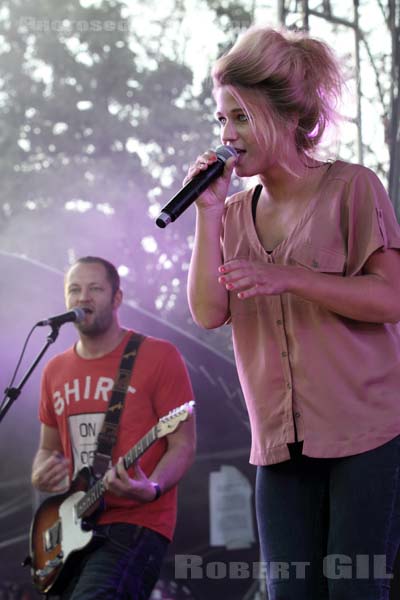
x=56 y=533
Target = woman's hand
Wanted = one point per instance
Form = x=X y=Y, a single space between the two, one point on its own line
x=250 y=279
x=216 y=192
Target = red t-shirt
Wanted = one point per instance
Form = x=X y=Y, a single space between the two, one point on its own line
x=74 y=398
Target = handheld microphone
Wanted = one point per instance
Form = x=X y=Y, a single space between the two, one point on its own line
x=196 y=186
x=76 y=315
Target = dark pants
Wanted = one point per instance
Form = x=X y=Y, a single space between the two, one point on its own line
x=330 y=528
x=122 y=563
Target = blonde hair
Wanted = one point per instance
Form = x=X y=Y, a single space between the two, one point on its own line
x=285 y=80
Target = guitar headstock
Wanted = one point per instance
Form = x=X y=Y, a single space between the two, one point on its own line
x=170 y=422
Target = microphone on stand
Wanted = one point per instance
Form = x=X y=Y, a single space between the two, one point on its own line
x=195 y=187
x=76 y=315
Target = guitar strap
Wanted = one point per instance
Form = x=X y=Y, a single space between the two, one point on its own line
x=108 y=434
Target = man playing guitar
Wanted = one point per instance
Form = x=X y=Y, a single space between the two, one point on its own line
x=124 y=552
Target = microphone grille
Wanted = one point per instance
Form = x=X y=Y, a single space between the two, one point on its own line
x=225 y=152
x=79 y=314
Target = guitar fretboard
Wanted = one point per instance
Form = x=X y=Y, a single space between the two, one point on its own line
x=96 y=492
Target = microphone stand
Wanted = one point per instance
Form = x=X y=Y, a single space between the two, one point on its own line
x=11 y=394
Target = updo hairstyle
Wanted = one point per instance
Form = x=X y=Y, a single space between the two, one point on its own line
x=286 y=82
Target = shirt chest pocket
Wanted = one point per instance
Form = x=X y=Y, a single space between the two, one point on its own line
x=321 y=260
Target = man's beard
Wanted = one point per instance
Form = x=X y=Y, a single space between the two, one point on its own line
x=100 y=325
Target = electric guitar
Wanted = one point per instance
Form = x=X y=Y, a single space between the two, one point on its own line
x=58 y=527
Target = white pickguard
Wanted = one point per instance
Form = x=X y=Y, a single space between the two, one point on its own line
x=72 y=535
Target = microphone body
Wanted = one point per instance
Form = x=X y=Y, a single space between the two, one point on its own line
x=76 y=315
x=195 y=187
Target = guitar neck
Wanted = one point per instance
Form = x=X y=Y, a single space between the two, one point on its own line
x=141 y=447
x=96 y=492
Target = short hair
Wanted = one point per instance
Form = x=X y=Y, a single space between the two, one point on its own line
x=111 y=271
x=277 y=76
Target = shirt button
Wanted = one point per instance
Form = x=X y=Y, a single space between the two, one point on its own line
x=297 y=415
x=315 y=264
x=289 y=386
x=279 y=322
x=284 y=354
